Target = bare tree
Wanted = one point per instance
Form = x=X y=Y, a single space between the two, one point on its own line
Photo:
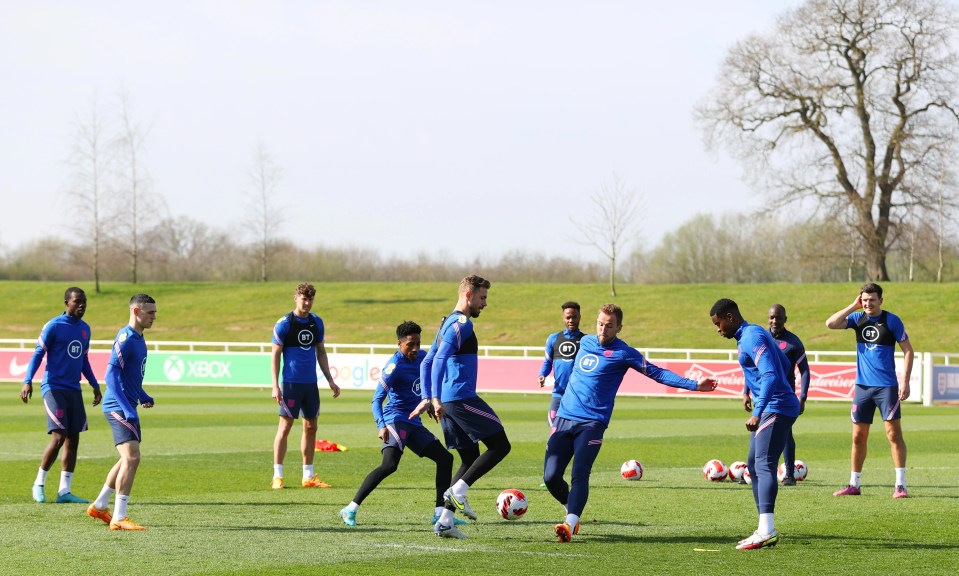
x=611 y=222
x=90 y=161
x=133 y=182
x=842 y=105
x=265 y=214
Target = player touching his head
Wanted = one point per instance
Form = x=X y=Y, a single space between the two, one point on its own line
x=400 y=387
x=877 y=385
x=586 y=409
x=125 y=371
x=775 y=408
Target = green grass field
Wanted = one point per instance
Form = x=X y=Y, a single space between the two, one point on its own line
x=656 y=316
x=202 y=491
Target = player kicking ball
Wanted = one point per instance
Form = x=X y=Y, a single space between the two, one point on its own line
x=586 y=409
x=400 y=388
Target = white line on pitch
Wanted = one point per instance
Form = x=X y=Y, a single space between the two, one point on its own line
x=445 y=549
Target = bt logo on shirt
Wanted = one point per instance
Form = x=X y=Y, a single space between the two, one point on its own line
x=305 y=338
x=75 y=349
x=588 y=362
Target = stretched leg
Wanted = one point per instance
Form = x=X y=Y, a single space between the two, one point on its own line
x=467 y=457
x=497 y=447
x=391 y=459
x=559 y=452
x=444 y=468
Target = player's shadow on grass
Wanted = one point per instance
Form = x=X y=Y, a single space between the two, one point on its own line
x=392 y=300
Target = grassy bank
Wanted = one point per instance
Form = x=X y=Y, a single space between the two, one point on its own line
x=518 y=314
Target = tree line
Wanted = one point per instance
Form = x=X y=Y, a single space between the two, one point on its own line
x=729 y=248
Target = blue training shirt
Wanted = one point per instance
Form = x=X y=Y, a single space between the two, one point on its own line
x=449 y=370
x=598 y=372
x=794 y=350
x=125 y=371
x=299 y=362
x=764 y=368
x=876 y=339
x=399 y=385
x=65 y=340
x=561 y=350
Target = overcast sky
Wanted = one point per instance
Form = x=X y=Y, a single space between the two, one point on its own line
x=471 y=128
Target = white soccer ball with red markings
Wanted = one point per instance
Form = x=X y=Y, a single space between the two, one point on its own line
x=799 y=471
x=631 y=470
x=747 y=477
x=715 y=470
x=736 y=470
x=511 y=504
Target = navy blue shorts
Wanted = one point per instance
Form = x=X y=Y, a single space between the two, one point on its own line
x=65 y=411
x=123 y=430
x=403 y=434
x=868 y=398
x=467 y=422
x=300 y=400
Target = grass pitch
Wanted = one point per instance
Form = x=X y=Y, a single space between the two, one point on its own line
x=202 y=489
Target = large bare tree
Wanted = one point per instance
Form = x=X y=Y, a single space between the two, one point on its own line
x=841 y=107
x=264 y=214
x=90 y=162
x=611 y=222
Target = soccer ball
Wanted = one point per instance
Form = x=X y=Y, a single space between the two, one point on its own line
x=631 y=470
x=736 y=470
x=747 y=477
x=511 y=504
x=799 y=471
x=715 y=470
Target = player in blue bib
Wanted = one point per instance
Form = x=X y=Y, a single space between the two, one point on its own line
x=65 y=341
x=125 y=371
x=399 y=386
x=561 y=349
x=775 y=408
x=298 y=348
x=877 y=384
x=586 y=408
x=794 y=350
x=448 y=380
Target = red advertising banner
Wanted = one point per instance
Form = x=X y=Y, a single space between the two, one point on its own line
x=829 y=381
x=832 y=381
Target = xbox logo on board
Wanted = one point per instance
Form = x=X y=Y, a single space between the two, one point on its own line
x=173 y=368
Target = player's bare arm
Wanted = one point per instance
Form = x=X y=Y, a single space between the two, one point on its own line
x=838 y=320
x=275 y=370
